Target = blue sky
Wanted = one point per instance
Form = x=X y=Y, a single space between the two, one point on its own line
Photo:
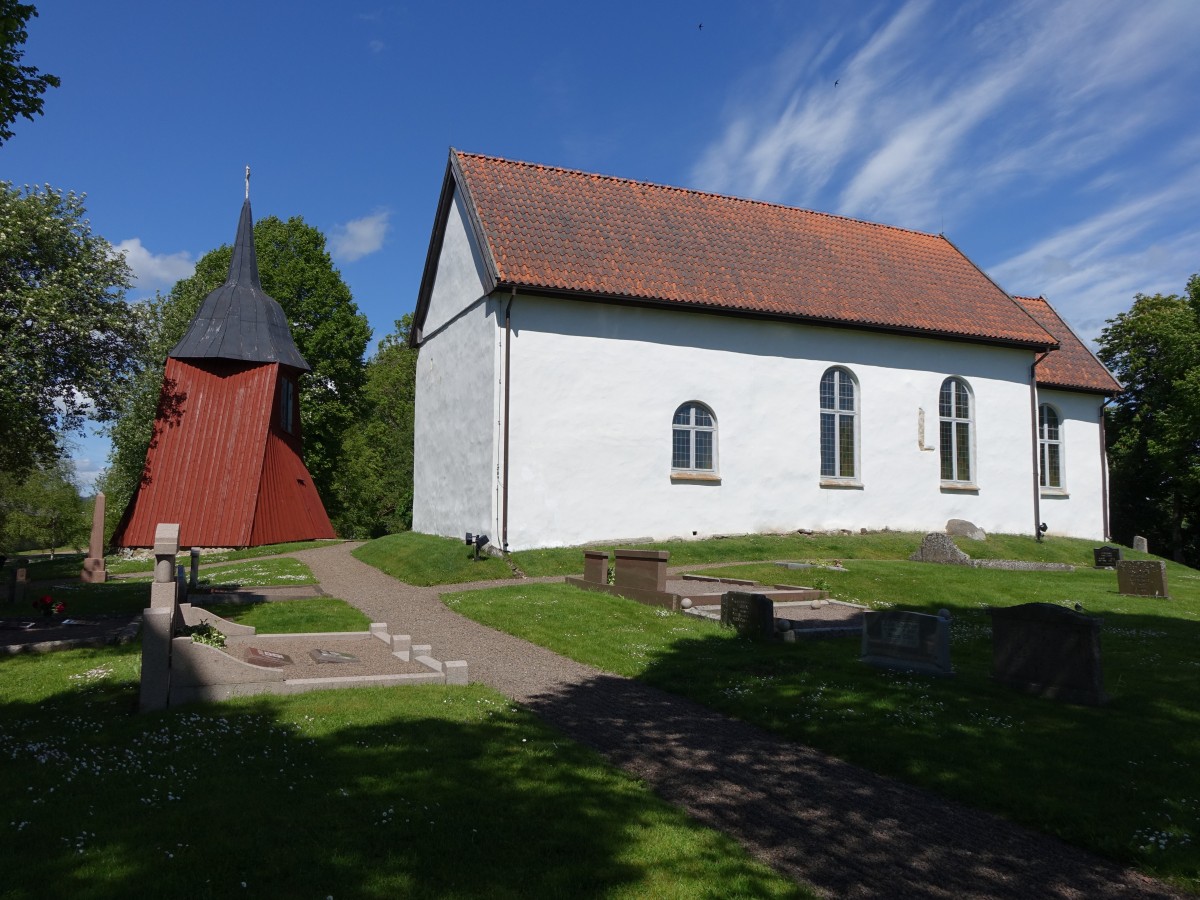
x=1056 y=143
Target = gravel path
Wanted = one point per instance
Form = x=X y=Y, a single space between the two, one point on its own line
x=843 y=830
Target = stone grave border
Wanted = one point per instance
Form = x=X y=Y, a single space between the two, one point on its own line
x=179 y=670
x=641 y=575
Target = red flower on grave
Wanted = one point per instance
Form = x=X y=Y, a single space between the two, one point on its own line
x=49 y=606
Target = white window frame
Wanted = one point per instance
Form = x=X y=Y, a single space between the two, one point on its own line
x=955 y=421
x=836 y=377
x=1045 y=444
x=691 y=429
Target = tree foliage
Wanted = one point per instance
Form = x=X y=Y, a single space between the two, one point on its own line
x=1154 y=425
x=42 y=510
x=375 y=485
x=21 y=87
x=328 y=329
x=68 y=339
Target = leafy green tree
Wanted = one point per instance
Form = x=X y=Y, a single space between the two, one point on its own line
x=21 y=87
x=330 y=332
x=43 y=510
x=375 y=484
x=68 y=339
x=1154 y=425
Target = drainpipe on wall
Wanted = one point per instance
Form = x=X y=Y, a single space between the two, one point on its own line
x=1037 y=464
x=1104 y=470
x=507 y=369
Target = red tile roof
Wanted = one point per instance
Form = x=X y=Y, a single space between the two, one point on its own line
x=1072 y=365
x=562 y=230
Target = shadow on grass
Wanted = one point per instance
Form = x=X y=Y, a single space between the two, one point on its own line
x=818 y=819
x=368 y=793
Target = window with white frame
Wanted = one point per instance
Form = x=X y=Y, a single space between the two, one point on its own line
x=957 y=426
x=694 y=439
x=1050 y=447
x=839 y=425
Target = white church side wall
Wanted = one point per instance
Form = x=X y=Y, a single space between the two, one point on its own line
x=1077 y=509
x=595 y=386
x=454 y=443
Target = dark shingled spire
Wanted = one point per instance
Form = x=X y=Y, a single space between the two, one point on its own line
x=238 y=320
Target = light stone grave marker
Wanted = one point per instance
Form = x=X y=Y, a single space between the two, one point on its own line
x=1142 y=578
x=332 y=657
x=896 y=639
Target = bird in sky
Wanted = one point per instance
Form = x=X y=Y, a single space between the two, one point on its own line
x=835 y=84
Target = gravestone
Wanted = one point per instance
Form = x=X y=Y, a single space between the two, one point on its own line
x=751 y=615
x=164 y=591
x=93 y=567
x=267 y=659
x=940 y=548
x=332 y=657
x=18 y=579
x=895 y=639
x=1106 y=557
x=595 y=566
x=1049 y=651
x=963 y=528
x=641 y=570
x=1140 y=545
x=1142 y=578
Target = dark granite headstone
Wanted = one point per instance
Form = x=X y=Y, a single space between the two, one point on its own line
x=332 y=656
x=268 y=659
x=751 y=615
x=1142 y=578
x=1106 y=557
x=895 y=639
x=1049 y=651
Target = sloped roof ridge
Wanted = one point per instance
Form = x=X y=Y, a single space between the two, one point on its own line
x=694 y=191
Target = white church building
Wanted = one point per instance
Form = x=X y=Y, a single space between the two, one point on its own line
x=605 y=359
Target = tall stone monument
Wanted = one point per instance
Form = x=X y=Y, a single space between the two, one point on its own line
x=93 y=567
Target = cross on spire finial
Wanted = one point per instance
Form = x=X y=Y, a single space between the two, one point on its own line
x=247 y=182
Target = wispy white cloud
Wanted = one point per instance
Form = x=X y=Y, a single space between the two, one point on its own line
x=360 y=237
x=376 y=46
x=155 y=270
x=1091 y=269
x=1067 y=129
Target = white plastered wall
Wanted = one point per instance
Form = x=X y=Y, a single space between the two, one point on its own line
x=594 y=387
x=1078 y=510
x=454 y=471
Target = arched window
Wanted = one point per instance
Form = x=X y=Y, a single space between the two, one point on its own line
x=694 y=439
x=957 y=426
x=839 y=424
x=1050 y=447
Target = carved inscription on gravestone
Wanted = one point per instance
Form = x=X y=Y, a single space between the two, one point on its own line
x=751 y=615
x=1142 y=578
x=1049 y=651
x=897 y=639
x=268 y=659
x=332 y=656
x=1106 y=557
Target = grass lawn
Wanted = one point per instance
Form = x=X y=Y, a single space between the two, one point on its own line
x=1122 y=780
x=292 y=616
x=423 y=559
x=120 y=566
x=363 y=793
x=259 y=573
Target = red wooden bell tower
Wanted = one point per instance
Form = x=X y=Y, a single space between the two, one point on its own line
x=225 y=457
